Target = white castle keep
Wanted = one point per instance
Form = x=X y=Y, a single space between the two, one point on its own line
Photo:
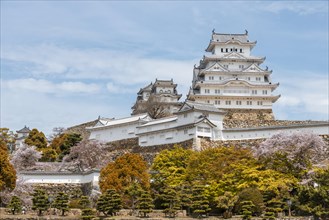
x=228 y=86
x=230 y=77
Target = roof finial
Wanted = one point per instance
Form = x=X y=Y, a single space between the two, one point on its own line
x=246 y=31
x=99 y=117
x=213 y=31
x=266 y=67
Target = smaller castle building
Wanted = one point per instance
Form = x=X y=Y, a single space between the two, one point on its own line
x=22 y=134
x=158 y=99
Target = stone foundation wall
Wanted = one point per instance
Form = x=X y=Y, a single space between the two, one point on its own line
x=118 y=148
x=81 y=129
x=74 y=190
x=249 y=114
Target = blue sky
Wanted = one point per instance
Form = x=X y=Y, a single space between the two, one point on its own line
x=67 y=62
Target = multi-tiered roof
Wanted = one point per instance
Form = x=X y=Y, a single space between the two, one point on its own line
x=162 y=92
x=229 y=77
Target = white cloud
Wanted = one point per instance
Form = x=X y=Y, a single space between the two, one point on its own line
x=299 y=7
x=45 y=86
x=309 y=93
x=118 y=68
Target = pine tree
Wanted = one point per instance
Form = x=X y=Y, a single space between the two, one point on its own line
x=109 y=203
x=15 y=205
x=37 y=139
x=172 y=202
x=186 y=197
x=200 y=203
x=40 y=201
x=145 y=204
x=247 y=207
x=273 y=207
x=87 y=214
x=62 y=202
x=84 y=202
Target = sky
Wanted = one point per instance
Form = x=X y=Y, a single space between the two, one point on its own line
x=64 y=63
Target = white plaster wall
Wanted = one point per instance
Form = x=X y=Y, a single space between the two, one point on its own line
x=57 y=178
x=166 y=137
x=266 y=132
x=114 y=133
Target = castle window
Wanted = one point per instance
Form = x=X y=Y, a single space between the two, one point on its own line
x=220 y=78
x=241 y=66
x=207 y=91
x=226 y=50
x=249 y=102
x=240 y=50
x=259 y=103
x=222 y=50
x=185 y=131
x=185 y=115
x=264 y=92
x=248 y=78
x=211 y=77
x=227 y=102
x=254 y=92
x=238 y=102
x=217 y=102
x=258 y=78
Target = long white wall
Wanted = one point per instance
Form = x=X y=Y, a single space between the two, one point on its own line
x=59 y=178
x=114 y=133
x=266 y=132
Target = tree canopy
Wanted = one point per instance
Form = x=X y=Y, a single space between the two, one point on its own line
x=7 y=170
x=124 y=171
x=36 y=138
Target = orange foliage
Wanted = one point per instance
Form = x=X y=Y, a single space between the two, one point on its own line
x=125 y=170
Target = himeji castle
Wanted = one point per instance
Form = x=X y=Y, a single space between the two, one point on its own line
x=231 y=98
x=229 y=77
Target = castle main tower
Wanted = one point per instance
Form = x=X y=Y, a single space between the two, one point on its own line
x=229 y=77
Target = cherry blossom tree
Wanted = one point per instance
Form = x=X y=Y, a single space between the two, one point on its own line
x=25 y=157
x=88 y=154
x=295 y=152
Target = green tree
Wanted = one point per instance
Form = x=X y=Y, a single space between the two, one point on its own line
x=123 y=172
x=171 y=201
x=15 y=205
x=133 y=192
x=227 y=203
x=255 y=196
x=70 y=140
x=247 y=207
x=273 y=207
x=87 y=214
x=48 y=155
x=7 y=170
x=37 y=139
x=145 y=204
x=84 y=202
x=109 y=203
x=169 y=167
x=313 y=197
x=40 y=201
x=200 y=203
x=61 y=202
